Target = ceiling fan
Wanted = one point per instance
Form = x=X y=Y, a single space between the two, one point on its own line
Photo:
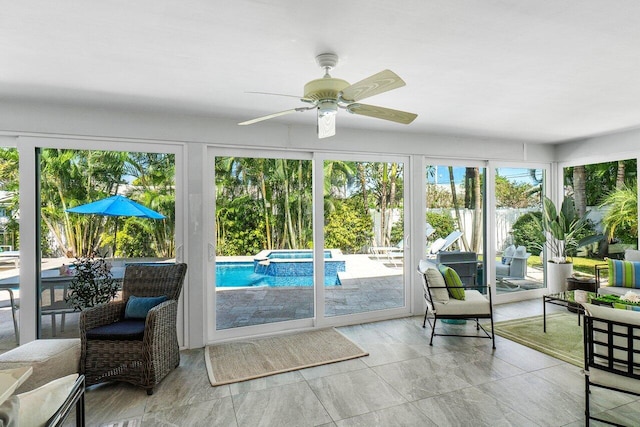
x=328 y=94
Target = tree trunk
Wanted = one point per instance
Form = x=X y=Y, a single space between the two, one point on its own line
x=620 y=175
x=363 y=185
x=579 y=190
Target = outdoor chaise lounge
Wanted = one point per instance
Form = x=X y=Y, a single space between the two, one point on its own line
x=10 y=256
x=441 y=244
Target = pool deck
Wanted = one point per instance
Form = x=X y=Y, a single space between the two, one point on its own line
x=367 y=285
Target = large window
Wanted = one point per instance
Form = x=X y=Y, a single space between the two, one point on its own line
x=608 y=194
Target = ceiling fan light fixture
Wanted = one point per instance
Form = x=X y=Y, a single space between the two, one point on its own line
x=327 y=108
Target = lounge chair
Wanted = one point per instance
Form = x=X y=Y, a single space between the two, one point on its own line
x=443 y=244
x=392 y=254
x=10 y=256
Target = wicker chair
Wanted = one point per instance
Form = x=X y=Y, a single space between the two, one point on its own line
x=139 y=351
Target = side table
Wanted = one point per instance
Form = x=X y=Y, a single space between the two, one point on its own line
x=573 y=284
x=588 y=285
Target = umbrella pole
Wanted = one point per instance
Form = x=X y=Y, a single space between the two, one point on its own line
x=115 y=238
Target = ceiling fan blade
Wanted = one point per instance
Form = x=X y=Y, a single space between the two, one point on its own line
x=326 y=125
x=282 y=94
x=382 y=113
x=378 y=83
x=271 y=116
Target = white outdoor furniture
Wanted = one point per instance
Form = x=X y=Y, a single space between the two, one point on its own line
x=475 y=305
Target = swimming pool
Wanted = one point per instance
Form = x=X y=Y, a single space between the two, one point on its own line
x=279 y=268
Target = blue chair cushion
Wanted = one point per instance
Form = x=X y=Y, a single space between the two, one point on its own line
x=138 y=307
x=124 y=330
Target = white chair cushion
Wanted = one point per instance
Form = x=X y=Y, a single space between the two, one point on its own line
x=438 y=286
x=502 y=270
x=474 y=304
x=38 y=405
x=521 y=252
x=507 y=254
x=605 y=378
x=632 y=255
x=50 y=359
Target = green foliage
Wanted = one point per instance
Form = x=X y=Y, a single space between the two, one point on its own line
x=621 y=219
x=92 y=283
x=397 y=230
x=133 y=239
x=564 y=231
x=240 y=227
x=443 y=224
x=348 y=228
x=526 y=232
x=600 y=179
x=511 y=194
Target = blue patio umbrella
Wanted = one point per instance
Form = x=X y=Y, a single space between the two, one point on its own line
x=116 y=206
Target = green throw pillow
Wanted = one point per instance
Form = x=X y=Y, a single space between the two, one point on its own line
x=624 y=273
x=454 y=284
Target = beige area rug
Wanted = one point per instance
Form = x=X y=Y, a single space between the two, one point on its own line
x=245 y=360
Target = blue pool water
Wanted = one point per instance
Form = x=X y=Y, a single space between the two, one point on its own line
x=242 y=274
x=299 y=254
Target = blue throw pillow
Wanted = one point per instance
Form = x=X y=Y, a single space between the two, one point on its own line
x=138 y=307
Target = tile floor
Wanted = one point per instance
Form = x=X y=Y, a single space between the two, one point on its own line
x=404 y=382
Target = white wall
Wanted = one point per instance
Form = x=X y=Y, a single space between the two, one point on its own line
x=25 y=117
x=616 y=146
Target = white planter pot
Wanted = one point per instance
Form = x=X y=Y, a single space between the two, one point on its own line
x=557 y=275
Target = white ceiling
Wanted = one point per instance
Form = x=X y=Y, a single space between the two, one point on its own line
x=541 y=71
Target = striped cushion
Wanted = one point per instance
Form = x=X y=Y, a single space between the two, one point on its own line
x=454 y=284
x=624 y=273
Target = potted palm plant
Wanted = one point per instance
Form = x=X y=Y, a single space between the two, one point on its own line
x=564 y=232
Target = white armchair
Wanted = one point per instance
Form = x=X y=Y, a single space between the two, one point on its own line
x=514 y=263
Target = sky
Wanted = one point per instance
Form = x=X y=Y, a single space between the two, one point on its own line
x=518 y=175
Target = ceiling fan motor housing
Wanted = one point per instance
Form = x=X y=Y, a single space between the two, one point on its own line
x=324 y=89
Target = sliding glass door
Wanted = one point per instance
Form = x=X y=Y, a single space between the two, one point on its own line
x=519 y=262
x=264 y=266
x=364 y=234
x=455 y=205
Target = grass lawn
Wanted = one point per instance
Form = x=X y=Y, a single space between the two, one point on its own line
x=583 y=265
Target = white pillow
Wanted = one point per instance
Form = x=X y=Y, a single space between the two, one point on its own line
x=508 y=254
x=437 y=285
x=632 y=255
x=38 y=405
x=520 y=252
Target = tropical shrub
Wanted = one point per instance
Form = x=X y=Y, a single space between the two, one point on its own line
x=621 y=219
x=526 y=233
x=443 y=224
x=348 y=228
